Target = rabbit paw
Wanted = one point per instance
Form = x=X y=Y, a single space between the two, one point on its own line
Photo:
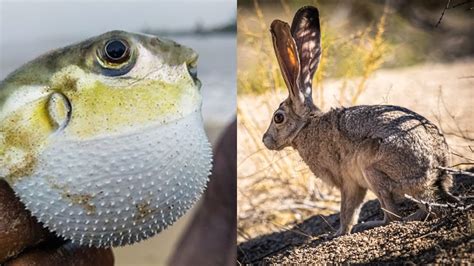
x=340 y=232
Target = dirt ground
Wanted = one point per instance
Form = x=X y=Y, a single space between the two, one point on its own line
x=283 y=209
x=445 y=240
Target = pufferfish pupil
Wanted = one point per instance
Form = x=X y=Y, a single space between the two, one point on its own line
x=116 y=50
x=105 y=160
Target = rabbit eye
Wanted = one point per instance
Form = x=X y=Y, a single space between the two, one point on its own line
x=278 y=118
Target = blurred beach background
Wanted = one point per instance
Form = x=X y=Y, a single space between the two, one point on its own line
x=31 y=28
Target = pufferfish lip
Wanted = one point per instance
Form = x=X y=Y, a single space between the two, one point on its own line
x=192 y=70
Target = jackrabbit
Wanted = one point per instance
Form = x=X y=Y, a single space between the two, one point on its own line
x=388 y=149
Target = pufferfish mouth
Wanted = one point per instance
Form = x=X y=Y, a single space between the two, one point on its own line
x=193 y=72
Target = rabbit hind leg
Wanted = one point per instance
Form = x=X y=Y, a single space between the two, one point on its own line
x=390 y=214
x=378 y=184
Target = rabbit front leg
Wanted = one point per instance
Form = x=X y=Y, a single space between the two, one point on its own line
x=352 y=196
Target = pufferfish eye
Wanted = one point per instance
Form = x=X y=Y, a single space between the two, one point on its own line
x=278 y=118
x=115 y=57
x=116 y=51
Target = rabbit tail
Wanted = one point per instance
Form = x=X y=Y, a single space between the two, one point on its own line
x=443 y=184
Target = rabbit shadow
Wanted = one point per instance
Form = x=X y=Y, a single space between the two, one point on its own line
x=314 y=231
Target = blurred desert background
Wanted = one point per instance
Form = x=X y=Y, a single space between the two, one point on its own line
x=416 y=54
x=31 y=28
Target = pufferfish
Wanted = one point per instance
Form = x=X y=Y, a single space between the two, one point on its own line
x=103 y=140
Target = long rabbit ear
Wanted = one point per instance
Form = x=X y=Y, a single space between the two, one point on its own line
x=287 y=55
x=306 y=32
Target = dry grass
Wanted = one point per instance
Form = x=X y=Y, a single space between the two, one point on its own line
x=345 y=55
x=276 y=189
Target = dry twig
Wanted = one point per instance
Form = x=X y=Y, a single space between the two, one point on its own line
x=442 y=13
x=441 y=205
x=456 y=171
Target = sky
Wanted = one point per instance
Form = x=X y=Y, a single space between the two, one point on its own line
x=36 y=20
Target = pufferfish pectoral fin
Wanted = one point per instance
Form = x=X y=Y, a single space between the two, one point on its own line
x=25 y=129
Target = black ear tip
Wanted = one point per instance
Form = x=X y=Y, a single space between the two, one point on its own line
x=307 y=11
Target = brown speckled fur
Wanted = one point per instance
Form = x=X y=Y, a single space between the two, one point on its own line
x=389 y=150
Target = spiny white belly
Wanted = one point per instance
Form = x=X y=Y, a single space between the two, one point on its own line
x=119 y=190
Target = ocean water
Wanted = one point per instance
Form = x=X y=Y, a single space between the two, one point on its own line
x=216 y=68
x=217 y=72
